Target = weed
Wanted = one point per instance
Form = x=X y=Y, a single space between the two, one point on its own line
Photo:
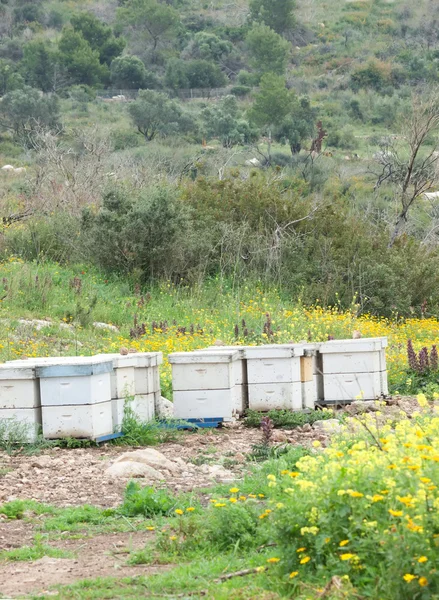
x=19 y=509
x=38 y=550
x=146 y=501
x=286 y=418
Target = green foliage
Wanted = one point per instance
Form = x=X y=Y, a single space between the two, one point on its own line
x=128 y=72
x=277 y=14
x=10 y=79
x=224 y=121
x=35 y=552
x=39 y=65
x=20 y=509
x=153 y=113
x=76 y=517
x=81 y=62
x=100 y=37
x=146 y=501
x=208 y=46
x=24 y=110
x=273 y=103
x=150 y=20
x=298 y=125
x=269 y=52
x=374 y=75
x=287 y=418
x=233 y=526
x=196 y=73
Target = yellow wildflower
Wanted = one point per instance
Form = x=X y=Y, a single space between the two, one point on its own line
x=347 y=556
x=273 y=560
x=234 y=490
x=422 y=559
x=293 y=574
x=305 y=559
x=409 y=577
x=343 y=543
x=178 y=511
x=396 y=513
x=233 y=500
x=190 y=509
x=423 y=581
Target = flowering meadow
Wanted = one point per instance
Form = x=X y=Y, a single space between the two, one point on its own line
x=172 y=318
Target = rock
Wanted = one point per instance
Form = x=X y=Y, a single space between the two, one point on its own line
x=219 y=473
x=278 y=436
x=128 y=469
x=307 y=427
x=361 y=406
x=152 y=458
x=330 y=425
x=42 y=462
x=107 y=326
x=165 y=409
x=356 y=335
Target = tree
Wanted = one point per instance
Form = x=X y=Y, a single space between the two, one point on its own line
x=128 y=72
x=152 y=20
x=298 y=125
x=208 y=46
x=9 y=78
x=39 y=60
x=277 y=14
x=273 y=103
x=80 y=60
x=25 y=110
x=99 y=36
x=269 y=52
x=225 y=122
x=410 y=163
x=153 y=113
x=198 y=73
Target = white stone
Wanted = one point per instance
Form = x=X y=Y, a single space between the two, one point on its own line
x=128 y=469
x=332 y=425
x=151 y=457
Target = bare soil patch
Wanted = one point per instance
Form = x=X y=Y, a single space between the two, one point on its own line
x=99 y=556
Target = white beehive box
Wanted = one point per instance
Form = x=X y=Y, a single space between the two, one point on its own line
x=274 y=377
x=240 y=369
x=203 y=404
x=354 y=369
x=203 y=370
x=136 y=373
x=25 y=422
x=143 y=407
x=76 y=397
x=273 y=364
x=77 y=421
x=273 y=396
x=19 y=386
x=81 y=380
x=204 y=384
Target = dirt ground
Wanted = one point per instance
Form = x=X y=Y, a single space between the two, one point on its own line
x=76 y=477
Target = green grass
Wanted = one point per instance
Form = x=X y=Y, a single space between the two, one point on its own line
x=28 y=553
x=286 y=418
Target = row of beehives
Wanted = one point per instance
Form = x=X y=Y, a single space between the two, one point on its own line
x=220 y=382
x=80 y=397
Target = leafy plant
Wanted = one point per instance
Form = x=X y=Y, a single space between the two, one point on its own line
x=286 y=418
x=146 y=501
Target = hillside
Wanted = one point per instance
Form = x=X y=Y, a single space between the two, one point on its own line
x=269 y=141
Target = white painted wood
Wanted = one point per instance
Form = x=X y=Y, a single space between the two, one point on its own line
x=146 y=380
x=201 y=357
x=270 y=396
x=199 y=404
x=273 y=370
x=29 y=420
x=143 y=406
x=65 y=391
x=123 y=382
x=309 y=394
x=352 y=362
x=77 y=421
x=19 y=393
x=203 y=376
x=351 y=386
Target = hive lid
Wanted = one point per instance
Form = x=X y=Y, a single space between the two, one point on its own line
x=8 y=371
x=273 y=351
x=78 y=366
x=138 y=359
x=203 y=357
x=351 y=346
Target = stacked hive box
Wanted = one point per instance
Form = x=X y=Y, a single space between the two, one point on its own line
x=274 y=377
x=240 y=368
x=75 y=394
x=20 y=399
x=204 y=384
x=136 y=377
x=354 y=369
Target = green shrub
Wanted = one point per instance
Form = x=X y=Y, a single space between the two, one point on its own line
x=362 y=511
x=287 y=418
x=146 y=501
